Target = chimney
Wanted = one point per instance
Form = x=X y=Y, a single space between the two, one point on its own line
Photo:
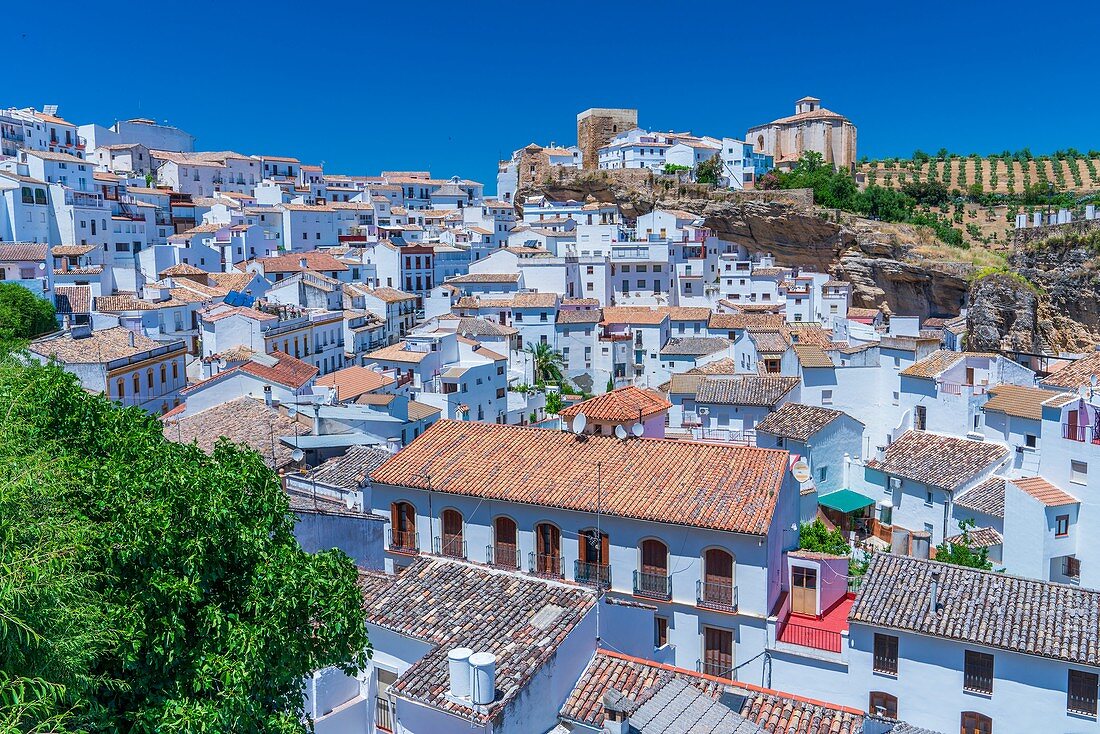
x=616 y=712
x=267 y=395
x=302 y=263
x=458 y=668
x=130 y=338
x=933 y=596
x=847 y=470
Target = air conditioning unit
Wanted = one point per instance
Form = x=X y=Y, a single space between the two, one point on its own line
x=895 y=483
x=703 y=410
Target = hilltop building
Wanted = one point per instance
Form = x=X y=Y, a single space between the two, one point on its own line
x=810 y=128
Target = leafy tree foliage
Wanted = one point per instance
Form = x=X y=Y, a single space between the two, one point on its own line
x=961 y=554
x=709 y=171
x=546 y=362
x=926 y=193
x=553 y=402
x=815 y=536
x=23 y=315
x=159 y=589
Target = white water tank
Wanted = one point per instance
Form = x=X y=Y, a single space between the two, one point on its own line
x=483 y=678
x=458 y=667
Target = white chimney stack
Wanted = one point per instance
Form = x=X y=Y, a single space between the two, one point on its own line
x=483 y=678
x=458 y=667
x=130 y=338
x=302 y=262
x=847 y=471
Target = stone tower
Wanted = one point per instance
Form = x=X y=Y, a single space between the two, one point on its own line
x=596 y=127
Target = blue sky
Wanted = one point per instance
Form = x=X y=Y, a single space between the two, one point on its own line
x=451 y=86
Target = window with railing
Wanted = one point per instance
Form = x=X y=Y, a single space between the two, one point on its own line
x=504 y=553
x=1081 y=692
x=451 y=542
x=886 y=654
x=978 y=672
x=545 y=560
x=592 y=565
x=652 y=580
x=716 y=589
x=384 y=714
x=403 y=537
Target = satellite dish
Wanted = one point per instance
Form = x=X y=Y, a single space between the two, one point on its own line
x=579 y=422
x=297 y=455
x=637 y=429
x=620 y=432
x=801 y=471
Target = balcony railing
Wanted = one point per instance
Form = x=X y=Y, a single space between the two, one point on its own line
x=449 y=545
x=404 y=541
x=720 y=595
x=804 y=635
x=384 y=714
x=718 y=670
x=593 y=574
x=653 y=585
x=503 y=555
x=541 y=564
x=1080 y=433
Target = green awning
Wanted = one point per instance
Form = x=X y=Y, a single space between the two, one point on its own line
x=845 y=500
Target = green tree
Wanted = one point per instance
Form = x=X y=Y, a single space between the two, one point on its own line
x=926 y=193
x=546 y=362
x=879 y=202
x=610 y=384
x=23 y=315
x=200 y=611
x=675 y=168
x=709 y=171
x=962 y=554
x=553 y=402
x=815 y=536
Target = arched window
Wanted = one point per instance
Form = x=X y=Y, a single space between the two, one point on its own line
x=505 y=551
x=137 y=384
x=175 y=371
x=452 y=543
x=975 y=723
x=40 y=196
x=653 y=580
x=403 y=528
x=547 y=550
x=716 y=588
x=28 y=195
x=883 y=704
x=163 y=373
x=593 y=558
x=149 y=377
x=121 y=388
x=760 y=142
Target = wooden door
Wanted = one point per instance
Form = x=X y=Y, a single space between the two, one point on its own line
x=804 y=591
x=654 y=558
x=969 y=375
x=975 y=723
x=549 y=549
x=718 y=652
x=719 y=577
x=504 y=550
x=452 y=533
x=1071 y=426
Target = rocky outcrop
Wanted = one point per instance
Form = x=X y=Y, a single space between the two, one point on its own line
x=1003 y=316
x=1066 y=271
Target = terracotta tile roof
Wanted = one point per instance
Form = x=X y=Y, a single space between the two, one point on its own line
x=419 y=411
x=798 y=421
x=695 y=345
x=482 y=327
x=812 y=355
x=1076 y=374
x=935 y=363
x=941 y=461
x=688 y=313
x=72 y=299
x=580 y=301
x=23 y=251
x=71 y=250
x=634 y=315
x=390 y=295
x=286 y=370
x=986 y=537
x=130 y=302
x=684 y=384
x=59 y=157
x=729 y=488
x=688 y=381
x=759 y=390
x=485 y=278
x=982 y=608
x=577 y=316
x=351 y=382
x=396 y=353
x=1017 y=400
x=291 y=262
x=621 y=404
x=450 y=604
x=733 y=321
x=810 y=333
x=905 y=343
x=640 y=680
x=182 y=269
x=104 y=345
x=678 y=707
x=244 y=311
x=535 y=300
x=1045 y=492
x=987 y=498
x=856 y=313
x=351 y=470
x=245 y=421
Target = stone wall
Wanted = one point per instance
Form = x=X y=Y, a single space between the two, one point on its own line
x=1030 y=234
x=596 y=127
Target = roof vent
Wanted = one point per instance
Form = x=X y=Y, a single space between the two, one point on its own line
x=130 y=338
x=933 y=596
x=458 y=668
x=483 y=678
